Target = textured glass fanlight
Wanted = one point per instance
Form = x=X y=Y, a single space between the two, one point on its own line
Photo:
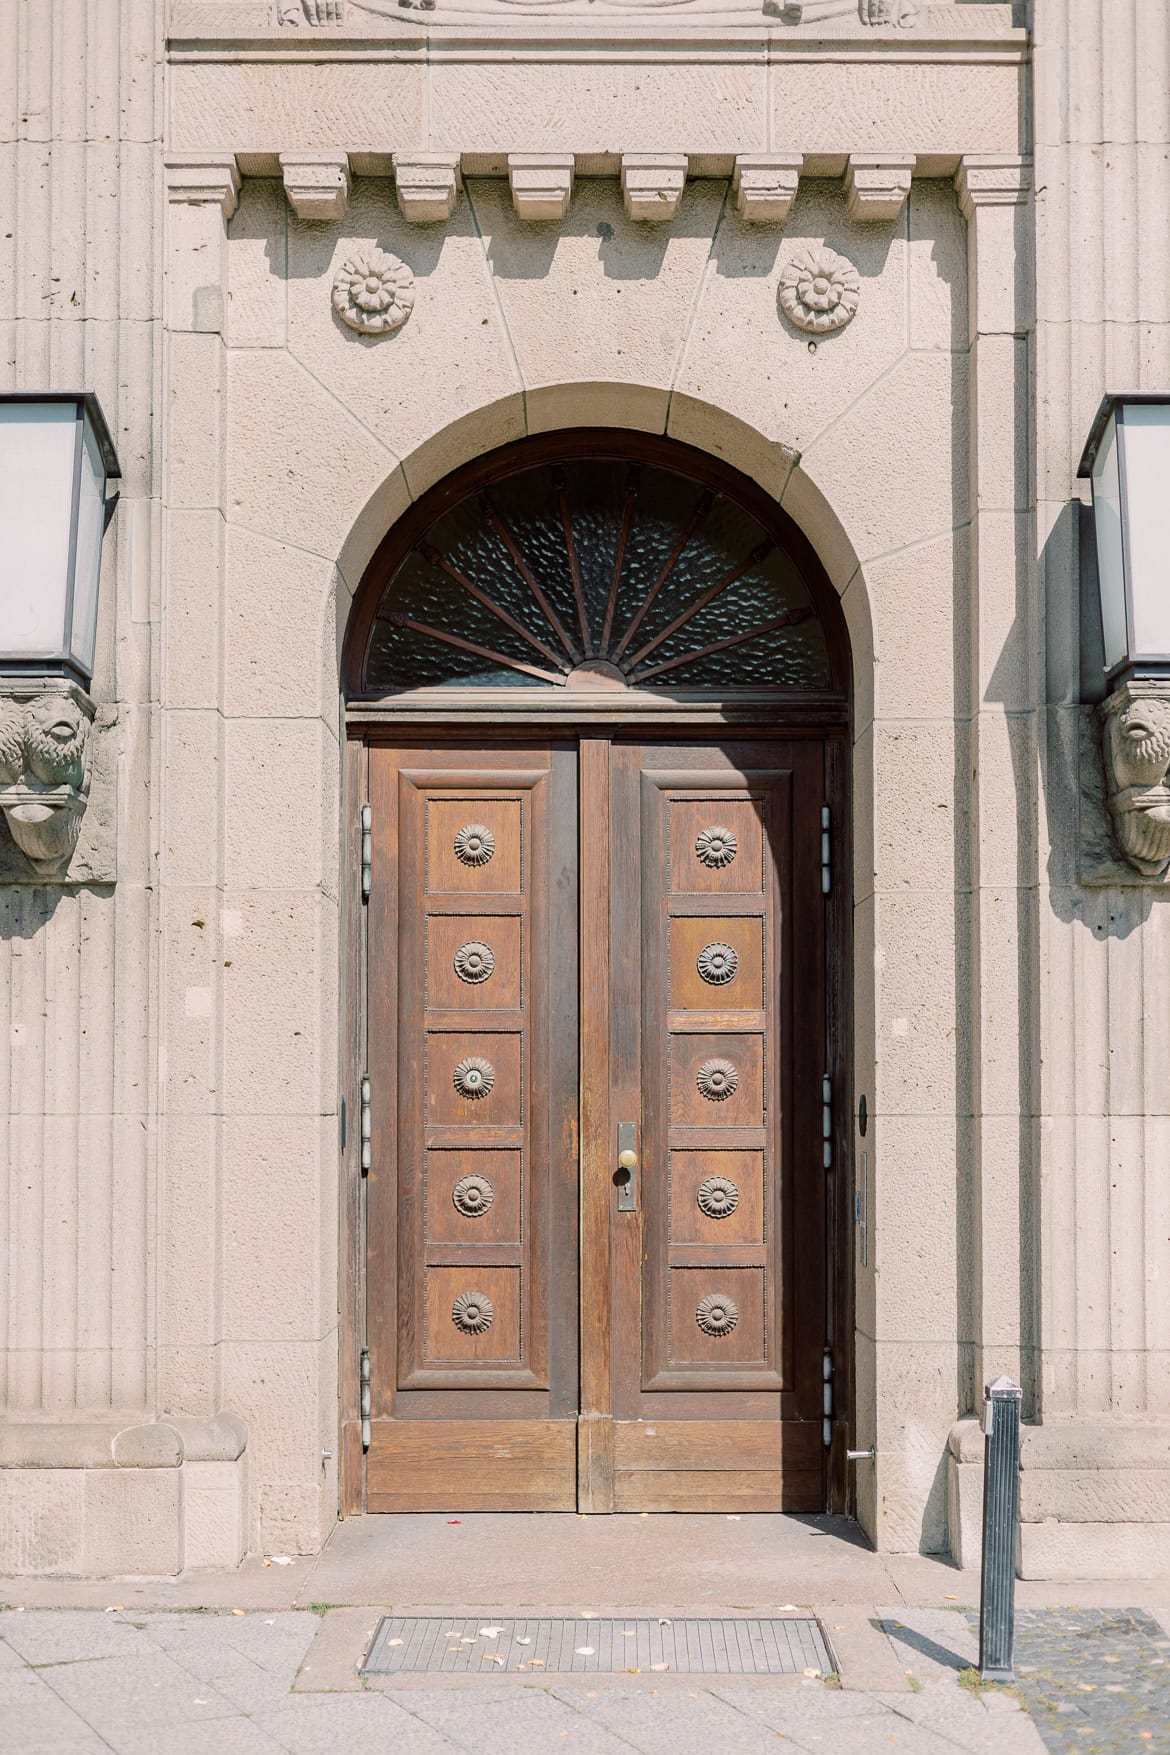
x=615 y=572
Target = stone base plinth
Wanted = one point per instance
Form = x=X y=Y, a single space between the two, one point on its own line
x=1094 y=1499
x=114 y=1499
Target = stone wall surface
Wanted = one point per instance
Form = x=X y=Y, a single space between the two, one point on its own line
x=80 y=132
x=184 y=189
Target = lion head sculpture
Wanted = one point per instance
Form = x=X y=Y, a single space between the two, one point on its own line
x=1137 y=758
x=44 y=770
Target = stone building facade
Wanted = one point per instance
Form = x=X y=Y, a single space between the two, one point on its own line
x=877 y=259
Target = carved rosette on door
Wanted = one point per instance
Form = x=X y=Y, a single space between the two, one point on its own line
x=713 y=1275
x=473 y=1360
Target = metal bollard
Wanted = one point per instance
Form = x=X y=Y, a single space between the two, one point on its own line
x=1001 y=1504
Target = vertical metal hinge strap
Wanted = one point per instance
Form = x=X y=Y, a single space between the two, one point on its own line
x=826 y=850
x=367 y=1124
x=367 y=850
x=827 y=1404
x=365 y=1402
x=827 y=1121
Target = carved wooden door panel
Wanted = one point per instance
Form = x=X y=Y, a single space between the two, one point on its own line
x=472 y=1189
x=715 y=1043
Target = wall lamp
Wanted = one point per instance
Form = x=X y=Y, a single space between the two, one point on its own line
x=1127 y=459
x=56 y=461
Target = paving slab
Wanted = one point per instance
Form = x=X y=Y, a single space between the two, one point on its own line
x=126 y=1694
x=66 y=1636
x=530 y=1721
x=329 y=1724
x=232 y=1736
x=679 y=1722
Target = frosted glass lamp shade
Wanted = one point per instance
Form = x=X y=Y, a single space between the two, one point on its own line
x=56 y=456
x=1127 y=459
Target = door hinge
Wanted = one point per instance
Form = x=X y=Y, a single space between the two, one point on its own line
x=826 y=850
x=365 y=1401
x=367 y=850
x=827 y=1405
x=367 y=1124
x=827 y=1122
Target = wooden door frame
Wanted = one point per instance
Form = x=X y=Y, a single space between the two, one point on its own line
x=594 y=731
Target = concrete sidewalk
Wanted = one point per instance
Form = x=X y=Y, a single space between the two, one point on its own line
x=269 y=1658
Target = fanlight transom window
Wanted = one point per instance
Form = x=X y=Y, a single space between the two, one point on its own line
x=597 y=572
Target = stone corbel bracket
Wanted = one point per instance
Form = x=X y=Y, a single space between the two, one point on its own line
x=427 y=185
x=1135 y=744
x=541 y=183
x=652 y=184
x=316 y=183
x=45 y=726
x=877 y=188
x=764 y=186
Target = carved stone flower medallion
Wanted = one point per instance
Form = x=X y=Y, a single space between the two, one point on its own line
x=474 y=844
x=717 y=963
x=718 y=1197
x=717 y=1314
x=473 y=1313
x=716 y=847
x=820 y=291
x=474 y=1077
x=472 y=1196
x=474 y=962
x=373 y=292
x=717 y=1080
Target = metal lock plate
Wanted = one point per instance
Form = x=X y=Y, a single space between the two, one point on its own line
x=626 y=1175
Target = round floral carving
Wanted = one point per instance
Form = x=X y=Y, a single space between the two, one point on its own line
x=373 y=292
x=717 y=1080
x=716 y=846
x=474 y=844
x=718 y=1197
x=717 y=1314
x=820 y=291
x=474 y=961
x=474 y=1077
x=473 y=1313
x=472 y=1196
x=717 y=963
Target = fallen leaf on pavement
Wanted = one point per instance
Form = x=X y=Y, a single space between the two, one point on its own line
x=523 y=1642
x=489 y=1657
x=281 y=1559
x=395 y=1642
x=237 y=1611
x=490 y=1632
x=454 y=1520
x=266 y=1563
x=811 y=1672
x=660 y=1666
x=584 y=1650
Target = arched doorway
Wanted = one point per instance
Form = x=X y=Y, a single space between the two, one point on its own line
x=598 y=701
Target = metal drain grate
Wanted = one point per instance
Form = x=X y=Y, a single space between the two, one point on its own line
x=731 y=1646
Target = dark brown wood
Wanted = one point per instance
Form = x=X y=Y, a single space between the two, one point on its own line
x=472 y=1465
x=595 y=1452
x=717 y=1023
x=472 y=1281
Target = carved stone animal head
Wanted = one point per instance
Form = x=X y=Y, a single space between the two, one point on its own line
x=1137 y=758
x=44 y=771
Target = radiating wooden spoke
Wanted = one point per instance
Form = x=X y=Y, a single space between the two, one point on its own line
x=633 y=483
x=449 y=639
x=435 y=559
x=645 y=551
x=702 y=507
x=561 y=492
x=790 y=619
x=529 y=577
x=759 y=553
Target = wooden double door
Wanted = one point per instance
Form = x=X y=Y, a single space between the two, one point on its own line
x=596 y=1205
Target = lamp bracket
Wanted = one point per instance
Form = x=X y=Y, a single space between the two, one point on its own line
x=1135 y=748
x=45 y=737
